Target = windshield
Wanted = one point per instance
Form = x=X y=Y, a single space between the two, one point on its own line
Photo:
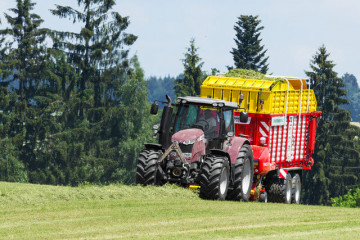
x=192 y=116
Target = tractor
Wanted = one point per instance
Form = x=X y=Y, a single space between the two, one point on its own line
x=197 y=148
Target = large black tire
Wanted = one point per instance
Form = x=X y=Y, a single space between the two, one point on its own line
x=279 y=190
x=214 y=178
x=296 y=189
x=147 y=168
x=240 y=189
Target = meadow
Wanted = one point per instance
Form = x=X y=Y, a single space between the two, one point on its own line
x=31 y=211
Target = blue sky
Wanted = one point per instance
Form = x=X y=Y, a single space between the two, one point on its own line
x=294 y=30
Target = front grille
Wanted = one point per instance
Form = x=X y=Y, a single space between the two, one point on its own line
x=186 y=148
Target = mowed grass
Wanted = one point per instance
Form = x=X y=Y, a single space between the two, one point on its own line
x=133 y=212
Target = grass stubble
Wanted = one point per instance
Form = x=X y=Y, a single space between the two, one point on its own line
x=30 y=211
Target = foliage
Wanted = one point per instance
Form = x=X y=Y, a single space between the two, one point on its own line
x=250 y=74
x=336 y=154
x=249 y=53
x=190 y=84
x=350 y=199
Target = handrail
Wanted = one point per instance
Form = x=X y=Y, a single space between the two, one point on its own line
x=287 y=99
x=308 y=100
x=301 y=92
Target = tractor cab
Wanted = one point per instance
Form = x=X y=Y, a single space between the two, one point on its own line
x=213 y=117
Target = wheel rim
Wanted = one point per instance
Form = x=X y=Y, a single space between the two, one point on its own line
x=223 y=181
x=245 y=184
x=288 y=192
x=297 y=191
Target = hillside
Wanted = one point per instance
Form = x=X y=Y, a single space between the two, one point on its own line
x=169 y=212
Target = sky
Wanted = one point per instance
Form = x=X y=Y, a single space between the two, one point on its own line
x=293 y=31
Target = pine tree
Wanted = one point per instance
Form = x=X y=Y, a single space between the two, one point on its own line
x=107 y=113
x=190 y=84
x=25 y=72
x=334 y=153
x=99 y=45
x=249 y=53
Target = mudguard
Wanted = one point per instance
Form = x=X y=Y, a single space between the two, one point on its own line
x=153 y=146
x=234 y=147
x=262 y=163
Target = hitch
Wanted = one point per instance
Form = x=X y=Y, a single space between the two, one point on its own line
x=174 y=146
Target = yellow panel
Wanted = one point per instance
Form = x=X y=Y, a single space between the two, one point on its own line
x=217 y=93
x=206 y=92
x=227 y=95
x=276 y=95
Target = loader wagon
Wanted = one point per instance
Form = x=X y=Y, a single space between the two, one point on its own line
x=281 y=129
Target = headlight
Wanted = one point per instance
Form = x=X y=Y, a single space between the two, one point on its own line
x=189 y=142
x=155 y=129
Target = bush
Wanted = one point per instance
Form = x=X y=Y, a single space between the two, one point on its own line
x=351 y=199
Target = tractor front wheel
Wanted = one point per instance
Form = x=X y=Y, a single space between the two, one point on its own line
x=240 y=189
x=214 y=178
x=147 y=168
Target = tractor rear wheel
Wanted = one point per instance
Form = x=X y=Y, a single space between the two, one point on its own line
x=279 y=190
x=240 y=189
x=147 y=168
x=214 y=178
x=296 y=189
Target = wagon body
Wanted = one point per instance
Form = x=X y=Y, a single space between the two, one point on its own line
x=282 y=119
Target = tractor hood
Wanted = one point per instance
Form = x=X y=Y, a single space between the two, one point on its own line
x=191 y=142
x=189 y=136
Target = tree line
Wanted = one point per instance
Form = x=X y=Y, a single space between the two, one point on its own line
x=73 y=105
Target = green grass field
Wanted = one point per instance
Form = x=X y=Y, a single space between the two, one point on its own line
x=169 y=212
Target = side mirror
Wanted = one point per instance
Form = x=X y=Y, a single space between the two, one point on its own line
x=244 y=117
x=154 y=109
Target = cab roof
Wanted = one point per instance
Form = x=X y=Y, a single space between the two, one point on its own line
x=208 y=102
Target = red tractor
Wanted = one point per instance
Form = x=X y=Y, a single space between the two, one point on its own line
x=197 y=147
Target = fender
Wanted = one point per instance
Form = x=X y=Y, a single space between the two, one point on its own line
x=262 y=163
x=219 y=152
x=234 y=147
x=153 y=146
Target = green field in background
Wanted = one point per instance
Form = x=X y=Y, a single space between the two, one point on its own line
x=132 y=212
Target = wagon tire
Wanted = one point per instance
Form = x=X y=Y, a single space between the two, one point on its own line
x=280 y=190
x=296 y=189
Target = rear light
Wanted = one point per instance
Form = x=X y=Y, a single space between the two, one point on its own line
x=263 y=141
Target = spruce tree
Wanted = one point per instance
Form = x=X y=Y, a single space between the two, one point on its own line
x=107 y=114
x=335 y=152
x=24 y=69
x=249 y=53
x=99 y=45
x=190 y=84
